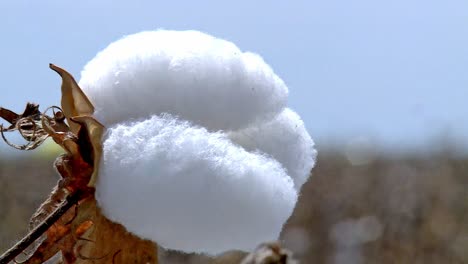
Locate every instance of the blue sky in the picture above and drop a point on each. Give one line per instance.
(391, 71)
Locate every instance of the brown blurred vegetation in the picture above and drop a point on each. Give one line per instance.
(378, 209)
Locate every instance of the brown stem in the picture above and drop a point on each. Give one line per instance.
(40, 229)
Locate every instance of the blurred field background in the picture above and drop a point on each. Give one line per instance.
(361, 205)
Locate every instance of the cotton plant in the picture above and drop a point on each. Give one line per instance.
(174, 138)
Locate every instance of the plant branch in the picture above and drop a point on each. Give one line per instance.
(40, 229)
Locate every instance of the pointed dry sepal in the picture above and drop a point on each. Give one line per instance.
(74, 101)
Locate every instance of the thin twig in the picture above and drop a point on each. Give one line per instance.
(40, 229)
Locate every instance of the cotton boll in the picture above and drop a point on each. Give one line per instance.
(180, 183)
(195, 76)
(286, 139)
(190, 189)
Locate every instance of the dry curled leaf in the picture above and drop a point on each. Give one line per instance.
(27, 124)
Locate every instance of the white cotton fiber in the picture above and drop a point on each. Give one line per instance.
(200, 153)
(191, 190)
(285, 139)
(186, 73)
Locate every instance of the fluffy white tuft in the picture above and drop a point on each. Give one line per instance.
(285, 138)
(171, 177)
(187, 73)
(206, 194)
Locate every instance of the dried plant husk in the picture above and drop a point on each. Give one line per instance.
(109, 242)
(70, 217)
